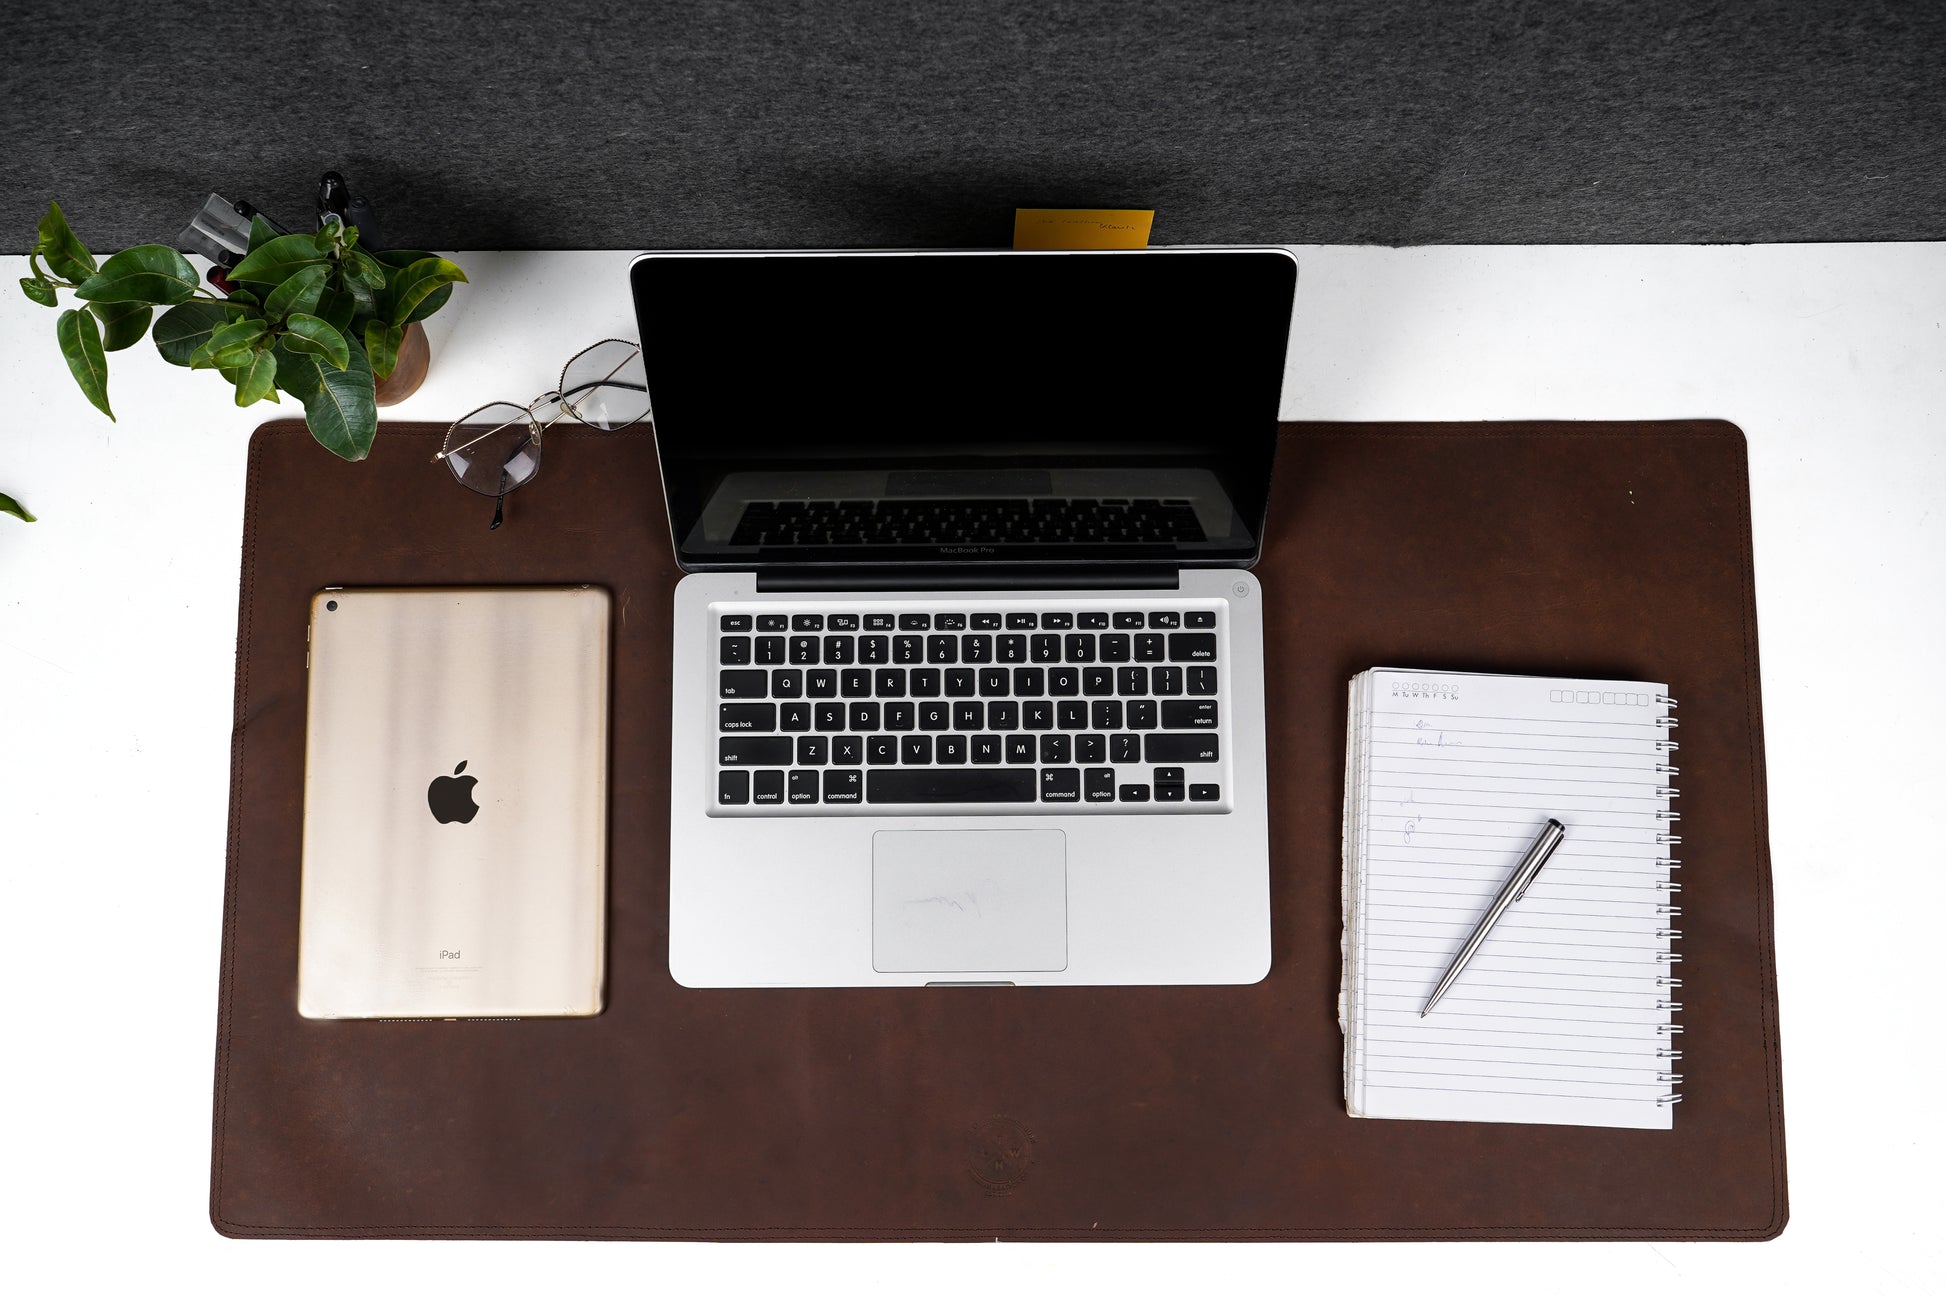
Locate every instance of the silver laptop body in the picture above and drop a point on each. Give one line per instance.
(968, 666)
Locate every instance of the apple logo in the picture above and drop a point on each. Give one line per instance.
(451, 797)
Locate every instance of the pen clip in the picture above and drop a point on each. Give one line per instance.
(1537, 855)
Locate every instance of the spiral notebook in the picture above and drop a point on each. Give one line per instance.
(1566, 1015)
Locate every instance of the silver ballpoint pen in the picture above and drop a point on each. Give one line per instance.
(1513, 890)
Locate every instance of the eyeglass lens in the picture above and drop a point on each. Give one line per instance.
(606, 386)
(494, 449)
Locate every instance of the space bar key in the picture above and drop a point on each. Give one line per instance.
(895, 787)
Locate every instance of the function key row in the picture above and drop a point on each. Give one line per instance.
(805, 623)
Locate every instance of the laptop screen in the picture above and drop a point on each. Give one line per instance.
(1012, 407)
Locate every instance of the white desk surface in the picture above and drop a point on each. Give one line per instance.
(117, 637)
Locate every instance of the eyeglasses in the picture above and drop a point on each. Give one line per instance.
(498, 447)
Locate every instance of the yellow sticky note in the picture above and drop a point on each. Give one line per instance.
(1069, 229)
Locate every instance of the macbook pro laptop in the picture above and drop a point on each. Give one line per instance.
(968, 663)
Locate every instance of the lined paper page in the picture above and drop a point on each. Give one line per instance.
(1564, 1015)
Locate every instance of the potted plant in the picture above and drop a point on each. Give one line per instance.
(313, 316)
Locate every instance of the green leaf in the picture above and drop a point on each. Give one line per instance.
(336, 310)
(149, 273)
(340, 406)
(64, 252)
(328, 236)
(40, 291)
(256, 378)
(10, 505)
(226, 344)
(351, 236)
(364, 303)
(278, 260)
(366, 271)
(80, 341)
(434, 300)
(310, 336)
(297, 295)
(397, 258)
(261, 232)
(297, 373)
(183, 330)
(382, 347)
(235, 336)
(123, 323)
(417, 282)
(243, 297)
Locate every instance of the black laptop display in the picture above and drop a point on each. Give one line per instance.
(861, 409)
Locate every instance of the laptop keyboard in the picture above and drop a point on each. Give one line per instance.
(956, 708)
(1024, 521)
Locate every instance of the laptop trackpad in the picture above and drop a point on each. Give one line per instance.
(969, 901)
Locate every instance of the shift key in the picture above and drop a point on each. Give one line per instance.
(1172, 749)
(754, 751)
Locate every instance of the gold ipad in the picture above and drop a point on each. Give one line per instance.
(455, 804)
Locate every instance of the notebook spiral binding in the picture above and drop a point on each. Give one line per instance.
(1667, 986)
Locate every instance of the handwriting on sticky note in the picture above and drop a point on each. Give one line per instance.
(1070, 229)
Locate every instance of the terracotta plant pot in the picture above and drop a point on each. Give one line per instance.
(414, 355)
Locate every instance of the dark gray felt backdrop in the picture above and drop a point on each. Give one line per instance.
(582, 124)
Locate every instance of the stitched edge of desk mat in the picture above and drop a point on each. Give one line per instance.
(1299, 448)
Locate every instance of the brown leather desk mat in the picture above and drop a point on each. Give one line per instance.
(1055, 1113)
